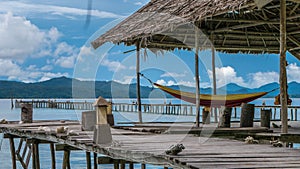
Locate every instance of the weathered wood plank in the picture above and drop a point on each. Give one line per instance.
(201, 152)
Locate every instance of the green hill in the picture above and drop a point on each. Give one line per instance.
(64, 87)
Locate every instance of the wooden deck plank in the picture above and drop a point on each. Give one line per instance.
(147, 147)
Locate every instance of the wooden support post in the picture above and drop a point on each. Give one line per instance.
(88, 160)
(197, 76)
(225, 117)
(33, 156)
(53, 161)
(283, 76)
(95, 161)
(131, 166)
(213, 60)
(116, 165)
(36, 154)
(66, 160)
(235, 113)
(247, 115)
(296, 116)
(30, 147)
(20, 146)
(143, 166)
(25, 149)
(122, 165)
(13, 152)
(265, 117)
(138, 88)
(205, 116)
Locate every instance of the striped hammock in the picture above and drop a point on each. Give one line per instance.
(230, 100)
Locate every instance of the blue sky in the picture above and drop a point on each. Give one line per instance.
(46, 39)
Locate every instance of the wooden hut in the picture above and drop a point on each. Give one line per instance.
(231, 26)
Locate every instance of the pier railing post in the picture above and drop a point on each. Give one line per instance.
(265, 117)
(102, 133)
(225, 117)
(26, 113)
(247, 115)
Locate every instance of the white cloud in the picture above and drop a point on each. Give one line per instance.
(125, 79)
(164, 83)
(23, 8)
(19, 37)
(63, 49)
(261, 78)
(172, 83)
(47, 68)
(226, 75)
(65, 55)
(9, 69)
(186, 83)
(113, 66)
(66, 62)
(138, 3)
(48, 75)
(54, 34)
(86, 51)
(32, 73)
(293, 72)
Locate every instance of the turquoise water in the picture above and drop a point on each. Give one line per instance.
(78, 160)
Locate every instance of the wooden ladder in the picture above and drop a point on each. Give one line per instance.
(24, 155)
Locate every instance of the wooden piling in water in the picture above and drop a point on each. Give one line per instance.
(88, 160)
(12, 151)
(116, 165)
(52, 151)
(66, 160)
(131, 165)
(95, 161)
(35, 145)
(122, 165)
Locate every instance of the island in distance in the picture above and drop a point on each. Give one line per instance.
(63, 87)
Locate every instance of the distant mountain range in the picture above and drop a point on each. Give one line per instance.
(64, 87)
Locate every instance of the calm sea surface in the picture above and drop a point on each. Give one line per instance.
(78, 160)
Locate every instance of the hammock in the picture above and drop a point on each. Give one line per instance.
(230, 100)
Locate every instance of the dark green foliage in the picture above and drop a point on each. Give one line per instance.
(63, 87)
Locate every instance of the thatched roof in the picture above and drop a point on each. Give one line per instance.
(249, 26)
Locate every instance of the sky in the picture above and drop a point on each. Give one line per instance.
(40, 40)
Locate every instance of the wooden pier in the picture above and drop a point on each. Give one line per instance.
(167, 109)
(53, 104)
(144, 146)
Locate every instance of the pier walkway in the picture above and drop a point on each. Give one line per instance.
(168, 109)
(147, 145)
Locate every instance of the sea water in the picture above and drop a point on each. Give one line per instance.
(78, 159)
